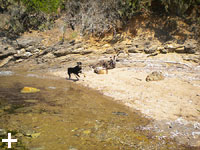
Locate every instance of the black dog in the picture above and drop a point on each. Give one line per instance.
(75, 70)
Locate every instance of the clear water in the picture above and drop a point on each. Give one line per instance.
(64, 116)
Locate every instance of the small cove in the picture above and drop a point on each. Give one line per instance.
(64, 115)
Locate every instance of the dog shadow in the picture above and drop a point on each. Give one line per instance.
(74, 80)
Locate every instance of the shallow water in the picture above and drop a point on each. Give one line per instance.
(64, 116)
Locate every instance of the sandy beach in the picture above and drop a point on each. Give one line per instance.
(178, 95)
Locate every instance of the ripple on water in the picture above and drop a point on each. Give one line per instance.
(6, 73)
(32, 75)
(52, 87)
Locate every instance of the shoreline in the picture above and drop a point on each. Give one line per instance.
(171, 104)
(138, 94)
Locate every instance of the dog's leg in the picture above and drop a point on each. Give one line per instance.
(82, 73)
(77, 77)
(69, 75)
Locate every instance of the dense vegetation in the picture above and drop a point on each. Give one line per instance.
(90, 16)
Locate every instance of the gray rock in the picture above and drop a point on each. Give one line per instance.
(191, 43)
(164, 51)
(133, 50)
(28, 54)
(7, 52)
(30, 49)
(180, 50)
(76, 46)
(63, 52)
(150, 50)
(36, 50)
(47, 50)
(48, 56)
(78, 51)
(153, 54)
(190, 49)
(21, 51)
(109, 51)
(5, 61)
(86, 51)
(42, 47)
(19, 60)
(25, 42)
(68, 51)
(23, 55)
(120, 47)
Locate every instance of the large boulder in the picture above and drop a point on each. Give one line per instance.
(25, 42)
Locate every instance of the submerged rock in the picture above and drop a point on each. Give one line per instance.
(2, 132)
(87, 131)
(35, 135)
(29, 90)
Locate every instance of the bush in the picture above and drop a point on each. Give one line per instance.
(47, 6)
(178, 7)
(27, 14)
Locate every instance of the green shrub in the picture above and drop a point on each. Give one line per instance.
(178, 7)
(47, 6)
(127, 8)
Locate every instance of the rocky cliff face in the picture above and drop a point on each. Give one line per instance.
(142, 35)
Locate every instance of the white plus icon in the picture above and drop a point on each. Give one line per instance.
(9, 140)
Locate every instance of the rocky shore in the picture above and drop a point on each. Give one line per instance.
(173, 102)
